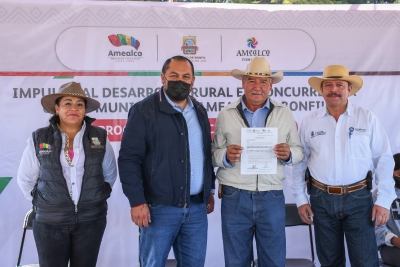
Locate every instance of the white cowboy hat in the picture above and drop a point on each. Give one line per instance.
(336, 72)
(69, 89)
(258, 67)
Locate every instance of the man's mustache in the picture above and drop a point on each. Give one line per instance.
(334, 94)
(257, 93)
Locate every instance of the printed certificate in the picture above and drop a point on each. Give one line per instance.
(258, 156)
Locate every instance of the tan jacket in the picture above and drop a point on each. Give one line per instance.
(228, 132)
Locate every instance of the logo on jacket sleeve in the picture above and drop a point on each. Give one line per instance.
(96, 143)
(45, 149)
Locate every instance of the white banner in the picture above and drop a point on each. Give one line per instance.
(116, 51)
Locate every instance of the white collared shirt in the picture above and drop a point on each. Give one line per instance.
(28, 171)
(342, 152)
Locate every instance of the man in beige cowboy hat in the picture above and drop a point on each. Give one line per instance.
(254, 204)
(343, 143)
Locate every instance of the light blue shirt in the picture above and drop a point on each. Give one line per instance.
(195, 145)
(255, 119)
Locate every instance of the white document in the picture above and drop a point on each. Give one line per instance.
(258, 156)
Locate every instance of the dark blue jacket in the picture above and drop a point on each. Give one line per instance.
(154, 159)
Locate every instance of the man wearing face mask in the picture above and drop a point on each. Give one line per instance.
(166, 171)
(388, 235)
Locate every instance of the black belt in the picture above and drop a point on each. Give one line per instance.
(199, 195)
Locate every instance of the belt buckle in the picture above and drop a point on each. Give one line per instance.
(341, 190)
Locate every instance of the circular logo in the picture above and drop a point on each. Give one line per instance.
(252, 42)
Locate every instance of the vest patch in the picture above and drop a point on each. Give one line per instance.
(45, 149)
(96, 143)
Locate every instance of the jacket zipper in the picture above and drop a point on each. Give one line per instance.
(186, 180)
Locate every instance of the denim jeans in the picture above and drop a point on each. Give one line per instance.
(78, 243)
(262, 213)
(185, 229)
(336, 216)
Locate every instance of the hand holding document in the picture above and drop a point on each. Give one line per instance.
(258, 156)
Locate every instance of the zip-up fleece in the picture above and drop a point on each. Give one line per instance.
(51, 197)
(154, 160)
(227, 132)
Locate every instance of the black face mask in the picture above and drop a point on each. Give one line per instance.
(178, 90)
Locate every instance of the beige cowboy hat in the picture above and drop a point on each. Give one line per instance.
(69, 89)
(258, 67)
(336, 72)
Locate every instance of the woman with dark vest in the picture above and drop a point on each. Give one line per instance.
(67, 170)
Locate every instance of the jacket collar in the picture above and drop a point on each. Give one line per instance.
(244, 107)
(166, 107)
(163, 103)
(239, 107)
(189, 104)
(235, 103)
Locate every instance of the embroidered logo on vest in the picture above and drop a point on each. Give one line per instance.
(45, 149)
(96, 143)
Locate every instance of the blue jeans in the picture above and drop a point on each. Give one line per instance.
(184, 229)
(78, 243)
(262, 213)
(336, 216)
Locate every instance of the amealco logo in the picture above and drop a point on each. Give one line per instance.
(126, 41)
(45, 149)
(252, 44)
